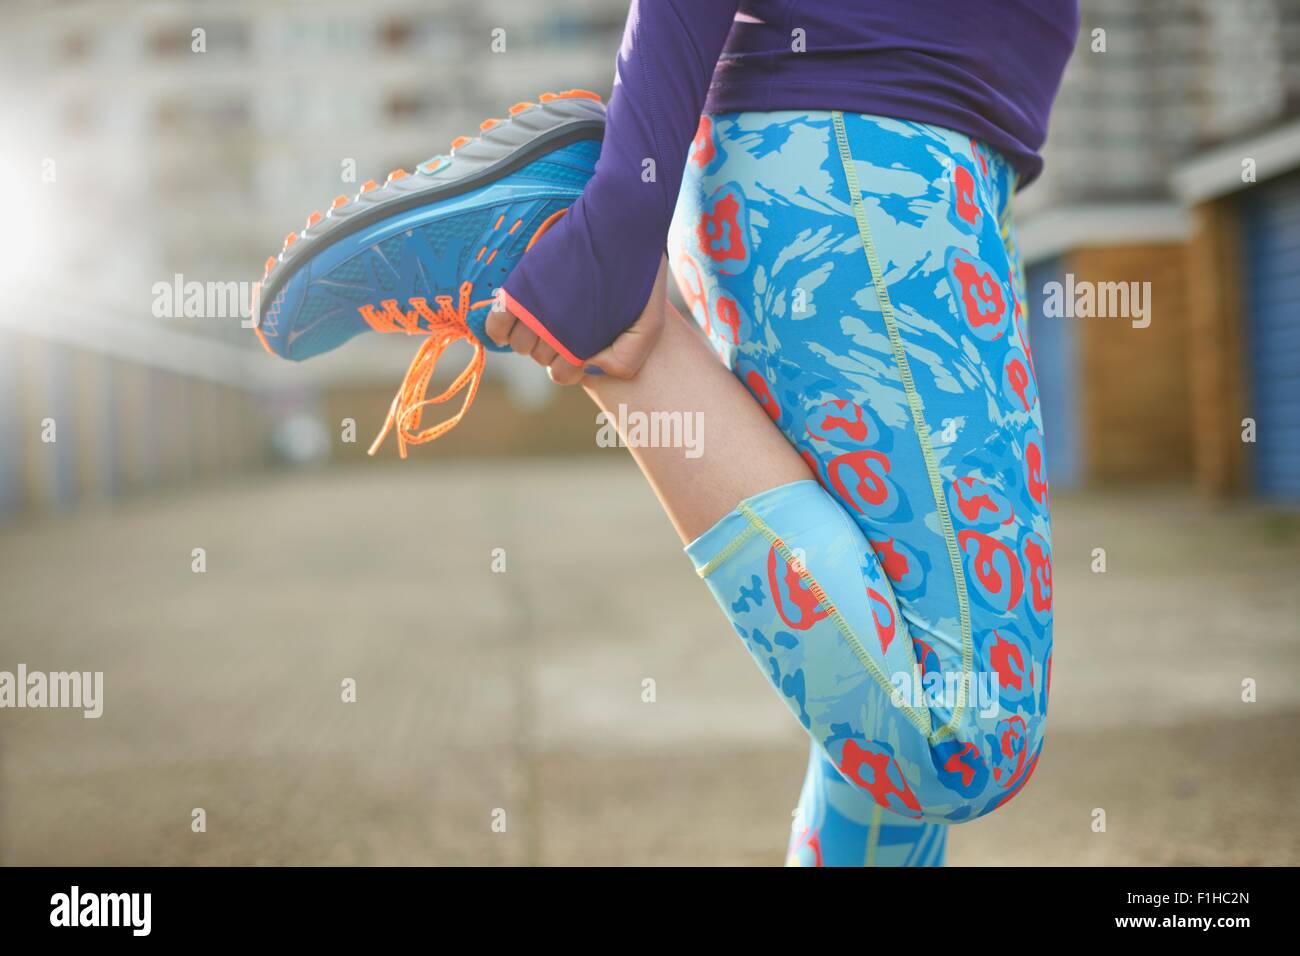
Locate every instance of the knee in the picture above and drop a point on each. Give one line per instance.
(970, 781)
(954, 781)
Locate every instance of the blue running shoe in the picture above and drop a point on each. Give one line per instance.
(425, 253)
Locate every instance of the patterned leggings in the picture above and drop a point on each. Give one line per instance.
(860, 276)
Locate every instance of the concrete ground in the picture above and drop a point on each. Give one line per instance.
(517, 696)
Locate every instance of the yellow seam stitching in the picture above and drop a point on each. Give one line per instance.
(921, 718)
(873, 835)
(726, 552)
(918, 419)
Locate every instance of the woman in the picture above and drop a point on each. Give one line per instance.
(859, 276)
(871, 507)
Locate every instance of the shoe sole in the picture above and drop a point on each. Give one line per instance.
(531, 131)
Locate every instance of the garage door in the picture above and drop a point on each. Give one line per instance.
(1271, 228)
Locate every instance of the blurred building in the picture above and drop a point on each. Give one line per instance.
(1162, 104)
(1244, 322)
(146, 142)
(183, 139)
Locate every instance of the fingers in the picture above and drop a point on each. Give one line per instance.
(504, 329)
(543, 354)
(563, 372)
(622, 360)
(499, 324)
(522, 339)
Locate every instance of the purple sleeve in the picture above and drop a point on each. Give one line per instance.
(590, 275)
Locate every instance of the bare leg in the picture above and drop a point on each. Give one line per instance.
(744, 453)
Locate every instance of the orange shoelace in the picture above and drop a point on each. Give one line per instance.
(444, 327)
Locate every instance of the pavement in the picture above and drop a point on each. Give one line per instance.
(504, 716)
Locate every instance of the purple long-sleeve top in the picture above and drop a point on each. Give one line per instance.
(986, 68)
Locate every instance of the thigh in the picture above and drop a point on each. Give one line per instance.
(883, 336)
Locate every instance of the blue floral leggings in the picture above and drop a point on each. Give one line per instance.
(860, 276)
